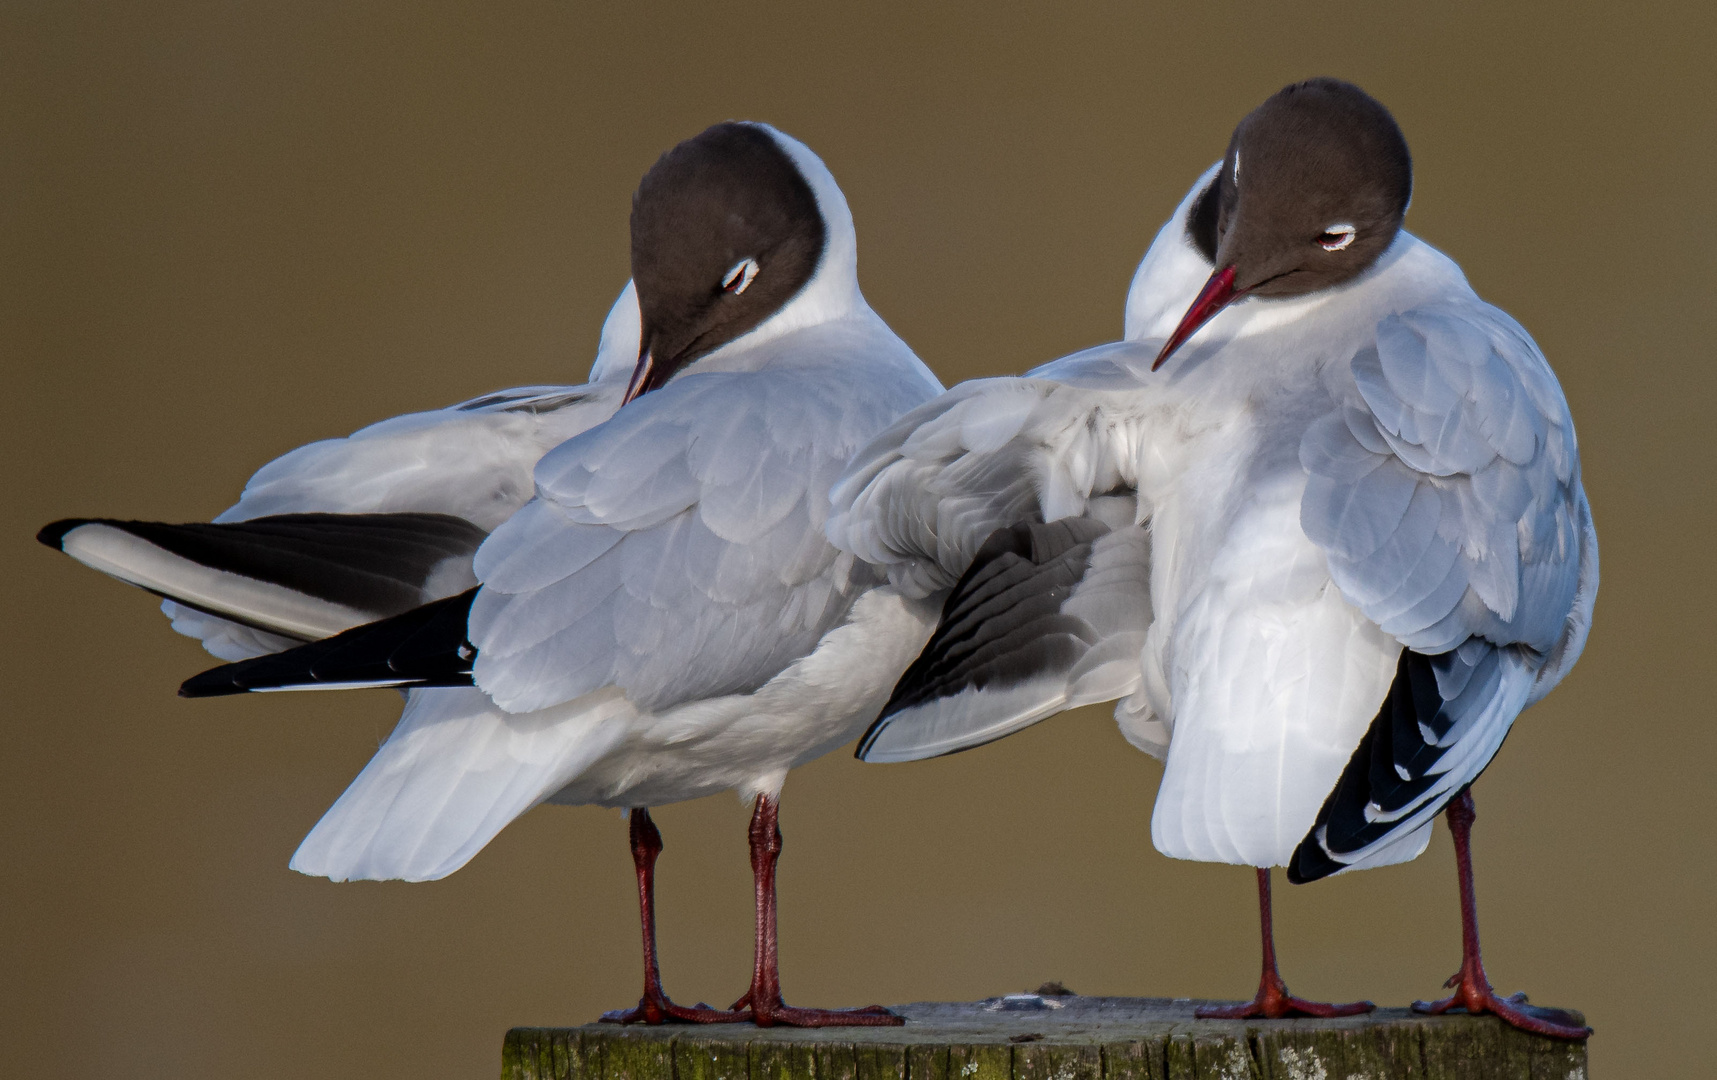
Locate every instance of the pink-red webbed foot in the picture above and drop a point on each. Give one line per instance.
(1474, 995)
(1275, 1003)
(663, 1011)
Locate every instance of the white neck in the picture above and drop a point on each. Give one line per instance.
(833, 291)
(1169, 276)
(617, 350)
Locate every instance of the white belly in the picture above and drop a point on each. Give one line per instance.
(748, 742)
(1273, 679)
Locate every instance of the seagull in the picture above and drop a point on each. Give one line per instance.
(1336, 500)
(647, 610)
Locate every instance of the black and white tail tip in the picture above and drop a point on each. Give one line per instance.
(303, 576)
(426, 646)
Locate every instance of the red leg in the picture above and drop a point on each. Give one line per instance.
(1273, 1001)
(654, 1007)
(1472, 986)
(764, 997)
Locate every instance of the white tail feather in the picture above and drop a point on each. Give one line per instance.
(455, 772)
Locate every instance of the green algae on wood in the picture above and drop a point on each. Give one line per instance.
(1067, 1038)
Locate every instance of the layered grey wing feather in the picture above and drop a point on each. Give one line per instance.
(678, 552)
(1447, 497)
(926, 493)
(1047, 618)
(472, 460)
(1040, 617)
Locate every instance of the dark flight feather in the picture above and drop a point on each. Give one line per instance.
(1003, 625)
(372, 562)
(425, 646)
(1391, 768)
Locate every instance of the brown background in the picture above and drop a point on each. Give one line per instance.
(229, 231)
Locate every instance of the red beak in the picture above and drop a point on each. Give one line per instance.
(1218, 293)
(640, 377)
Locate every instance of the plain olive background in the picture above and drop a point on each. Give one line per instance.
(230, 229)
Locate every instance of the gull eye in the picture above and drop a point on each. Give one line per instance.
(739, 278)
(1337, 237)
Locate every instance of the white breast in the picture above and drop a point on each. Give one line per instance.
(1273, 679)
(1267, 677)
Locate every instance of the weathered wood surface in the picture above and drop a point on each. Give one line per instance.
(1082, 1038)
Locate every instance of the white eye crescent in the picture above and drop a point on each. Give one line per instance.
(739, 278)
(1337, 237)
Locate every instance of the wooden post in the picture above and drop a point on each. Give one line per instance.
(1026, 1037)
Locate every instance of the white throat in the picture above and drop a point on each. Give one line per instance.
(1170, 275)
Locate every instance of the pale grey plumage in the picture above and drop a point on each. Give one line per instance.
(1416, 453)
(1448, 498)
(677, 551)
(1449, 504)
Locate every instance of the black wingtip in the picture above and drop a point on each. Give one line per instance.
(870, 734)
(1310, 863)
(54, 534)
(204, 685)
(425, 646)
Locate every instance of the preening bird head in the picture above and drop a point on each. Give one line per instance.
(1311, 192)
(725, 230)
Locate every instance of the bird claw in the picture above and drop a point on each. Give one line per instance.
(1278, 1007)
(1511, 1010)
(659, 1010)
(781, 1013)
(1273, 1002)
(791, 1016)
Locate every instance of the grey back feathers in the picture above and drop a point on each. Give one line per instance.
(715, 203)
(1452, 514)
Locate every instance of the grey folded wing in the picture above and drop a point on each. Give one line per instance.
(678, 551)
(344, 531)
(1447, 498)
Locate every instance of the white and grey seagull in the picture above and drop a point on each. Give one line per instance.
(1327, 553)
(649, 613)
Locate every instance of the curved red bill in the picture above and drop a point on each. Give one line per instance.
(640, 377)
(1218, 293)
